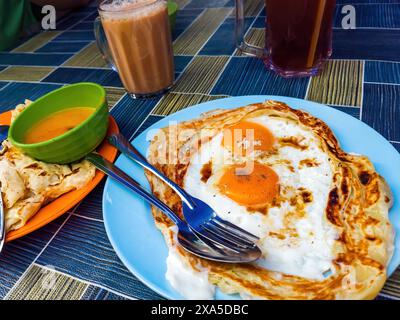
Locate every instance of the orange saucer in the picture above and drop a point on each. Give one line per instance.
(64, 203)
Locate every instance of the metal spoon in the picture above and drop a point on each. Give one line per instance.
(196, 245)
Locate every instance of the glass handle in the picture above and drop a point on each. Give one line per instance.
(241, 43)
(102, 44)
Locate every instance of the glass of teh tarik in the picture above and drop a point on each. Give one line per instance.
(298, 35)
(134, 36)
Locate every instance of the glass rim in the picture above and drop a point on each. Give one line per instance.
(140, 4)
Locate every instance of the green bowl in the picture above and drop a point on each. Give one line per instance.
(172, 11)
(76, 143)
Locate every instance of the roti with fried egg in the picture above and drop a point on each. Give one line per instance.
(27, 185)
(321, 214)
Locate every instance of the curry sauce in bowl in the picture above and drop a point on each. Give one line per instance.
(64, 125)
(57, 124)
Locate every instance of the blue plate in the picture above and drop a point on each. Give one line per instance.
(128, 220)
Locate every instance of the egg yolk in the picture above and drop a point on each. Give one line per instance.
(239, 140)
(257, 188)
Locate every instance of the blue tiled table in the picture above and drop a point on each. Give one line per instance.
(73, 252)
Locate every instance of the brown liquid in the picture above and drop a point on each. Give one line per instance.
(57, 124)
(289, 32)
(140, 43)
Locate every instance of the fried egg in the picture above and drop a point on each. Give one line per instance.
(272, 178)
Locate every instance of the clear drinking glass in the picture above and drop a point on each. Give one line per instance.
(135, 39)
(298, 35)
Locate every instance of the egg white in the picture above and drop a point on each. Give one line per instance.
(307, 254)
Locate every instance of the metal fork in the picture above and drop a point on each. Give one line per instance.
(186, 237)
(200, 217)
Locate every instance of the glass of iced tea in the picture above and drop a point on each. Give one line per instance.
(298, 35)
(134, 36)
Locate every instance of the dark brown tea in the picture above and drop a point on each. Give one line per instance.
(298, 35)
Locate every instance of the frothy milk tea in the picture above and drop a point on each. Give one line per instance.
(139, 38)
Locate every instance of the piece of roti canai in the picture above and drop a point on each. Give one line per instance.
(27, 184)
(321, 214)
